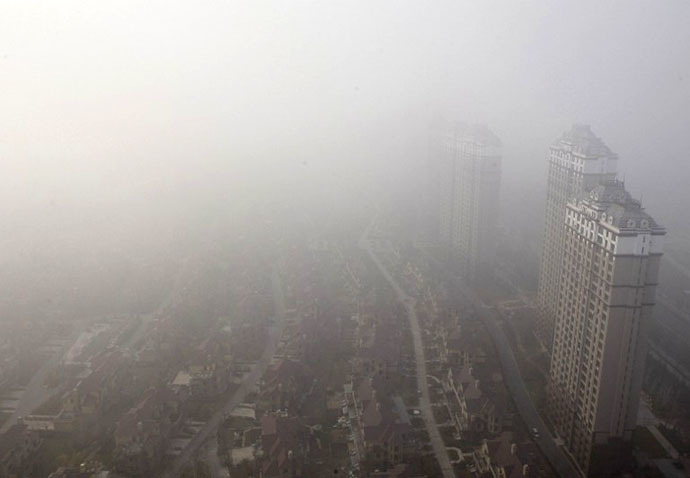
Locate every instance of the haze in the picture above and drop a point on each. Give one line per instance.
(96, 95)
(135, 135)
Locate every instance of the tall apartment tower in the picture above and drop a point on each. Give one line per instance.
(433, 182)
(470, 172)
(611, 251)
(578, 161)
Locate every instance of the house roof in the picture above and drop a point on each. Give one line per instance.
(505, 453)
(11, 438)
(283, 371)
(281, 437)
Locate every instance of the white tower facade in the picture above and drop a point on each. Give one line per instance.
(578, 161)
(611, 252)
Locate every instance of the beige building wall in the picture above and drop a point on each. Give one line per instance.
(578, 161)
(611, 254)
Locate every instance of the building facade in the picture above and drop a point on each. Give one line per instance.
(578, 161)
(433, 182)
(470, 172)
(611, 251)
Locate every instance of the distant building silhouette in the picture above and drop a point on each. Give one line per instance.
(467, 176)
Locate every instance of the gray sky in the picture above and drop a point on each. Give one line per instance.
(100, 100)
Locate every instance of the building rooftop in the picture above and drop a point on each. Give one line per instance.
(478, 133)
(617, 207)
(581, 139)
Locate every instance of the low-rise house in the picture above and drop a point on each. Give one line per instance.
(201, 381)
(334, 405)
(18, 446)
(383, 433)
(142, 433)
(283, 385)
(503, 458)
(347, 329)
(386, 437)
(462, 345)
(284, 447)
(101, 388)
(379, 351)
(40, 423)
(85, 470)
(476, 412)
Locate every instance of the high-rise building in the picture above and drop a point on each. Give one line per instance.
(611, 251)
(470, 177)
(578, 161)
(433, 182)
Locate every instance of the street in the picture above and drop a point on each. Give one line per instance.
(556, 456)
(422, 385)
(513, 379)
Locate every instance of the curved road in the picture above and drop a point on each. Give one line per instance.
(424, 401)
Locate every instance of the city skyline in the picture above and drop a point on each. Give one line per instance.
(344, 239)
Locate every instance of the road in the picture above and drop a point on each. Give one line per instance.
(677, 325)
(216, 469)
(671, 260)
(511, 372)
(672, 318)
(513, 379)
(424, 402)
(178, 463)
(661, 439)
(672, 365)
